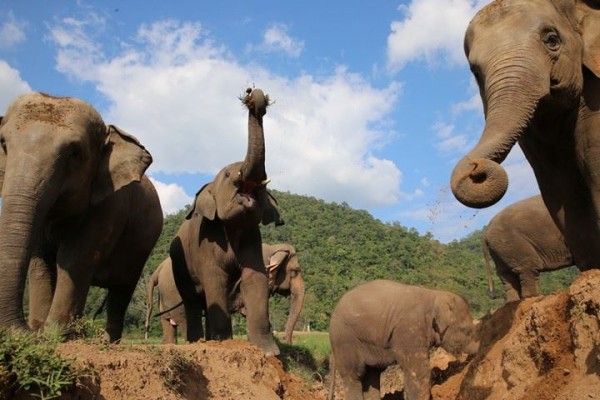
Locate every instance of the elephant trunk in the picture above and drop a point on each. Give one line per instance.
(20, 232)
(152, 282)
(253, 169)
(478, 180)
(296, 302)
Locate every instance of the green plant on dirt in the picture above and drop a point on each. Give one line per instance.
(308, 357)
(176, 367)
(90, 330)
(29, 363)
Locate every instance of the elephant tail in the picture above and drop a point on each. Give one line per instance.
(331, 394)
(488, 268)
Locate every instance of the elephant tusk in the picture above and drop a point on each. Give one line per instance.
(265, 182)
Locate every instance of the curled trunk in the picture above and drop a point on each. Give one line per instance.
(478, 180)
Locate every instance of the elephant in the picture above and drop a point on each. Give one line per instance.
(382, 322)
(285, 279)
(219, 243)
(77, 210)
(169, 303)
(537, 65)
(523, 241)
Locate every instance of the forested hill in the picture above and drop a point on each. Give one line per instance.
(339, 247)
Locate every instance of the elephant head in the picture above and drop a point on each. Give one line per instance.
(57, 159)
(452, 325)
(530, 59)
(285, 278)
(238, 195)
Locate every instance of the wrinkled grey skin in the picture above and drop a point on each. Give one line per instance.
(169, 302)
(523, 241)
(286, 280)
(77, 211)
(537, 64)
(220, 242)
(383, 322)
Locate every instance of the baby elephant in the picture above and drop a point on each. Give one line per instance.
(383, 322)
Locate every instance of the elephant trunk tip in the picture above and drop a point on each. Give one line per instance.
(256, 101)
(478, 182)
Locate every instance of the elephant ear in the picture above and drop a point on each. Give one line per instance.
(123, 160)
(271, 213)
(442, 317)
(2, 164)
(204, 203)
(590, 34)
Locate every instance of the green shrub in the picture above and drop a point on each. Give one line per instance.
(29, 363)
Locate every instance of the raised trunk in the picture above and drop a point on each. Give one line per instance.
(296, 301)
(478, 180)
(253, 169)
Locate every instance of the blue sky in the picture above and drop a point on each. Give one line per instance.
(373, 106)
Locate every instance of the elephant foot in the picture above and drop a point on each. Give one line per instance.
(270, 349)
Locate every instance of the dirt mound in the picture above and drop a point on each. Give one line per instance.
(539, 349)
(213, 370)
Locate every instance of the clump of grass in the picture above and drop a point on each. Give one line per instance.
(175, 369)
(88, 329)
(29, 363)
(308, 357)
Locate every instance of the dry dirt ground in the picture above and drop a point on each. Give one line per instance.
(543, 348)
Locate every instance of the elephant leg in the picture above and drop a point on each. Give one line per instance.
(255, 292)
(193, 317)
(116, 305)
(218, 318)
(69, 298)
(353, 388)
(530, 283)
(510, 281)
(78, 258)
(42, 282)
(372, 384)
(417, 376)
(169, 332)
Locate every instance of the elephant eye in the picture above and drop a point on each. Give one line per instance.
(551, 40)
(3, 144)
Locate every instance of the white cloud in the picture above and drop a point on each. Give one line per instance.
(176, 90)
(172, 196)
(12, 32)
(431, 31)
(449, 142)
(11, 85)
(276, 39)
